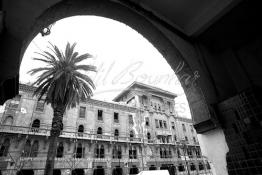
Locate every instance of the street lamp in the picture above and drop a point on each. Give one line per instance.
(184, 146)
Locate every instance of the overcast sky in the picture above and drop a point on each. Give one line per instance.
(120, 53)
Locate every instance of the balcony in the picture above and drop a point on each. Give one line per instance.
(24, 130)
(163, 132)
(67, 133)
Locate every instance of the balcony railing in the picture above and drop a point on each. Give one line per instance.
(24, 130)
(45, 131)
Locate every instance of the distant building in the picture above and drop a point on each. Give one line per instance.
(139, 131)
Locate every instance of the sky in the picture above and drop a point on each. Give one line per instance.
(121, 56)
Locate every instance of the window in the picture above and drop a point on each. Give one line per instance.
(163, 153)
(198, 153)
(186, 138)
(147, 121)
(8, 120)
(157, 124)
(116, 119)
(40, 106)
(99, 132)
(189, 152)
(4, 148)
(164, 122)
(192, 128)
(131, 135)
(34, 149)
(117, 152)
(181, 168)
(201, 166)
(169, 153)
(99, 115)
(192, 167)
(175, 138)
(132, 153)
(79, 151)
(208, 166)
(99, 151)
(160, 124)
(82, 112)
(173, 125)
(35, 125)
(27, 149)
(116, 134)
(184, 127)
(130, 117)
(80, 130)
(114, 152)
(133, 170)
(194, 139)
(144, 100)
(15, 102)
(178, 153)
(169, 106)
(152, 167)
(148, 136)
(167, 139)
(60, 150)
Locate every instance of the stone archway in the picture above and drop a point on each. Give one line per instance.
(198, 89)
(187, 77)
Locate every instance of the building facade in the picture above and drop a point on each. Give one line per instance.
(140, 130)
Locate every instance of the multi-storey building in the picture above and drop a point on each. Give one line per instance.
(139, 131)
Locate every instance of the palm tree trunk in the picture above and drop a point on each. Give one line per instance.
(57, 125)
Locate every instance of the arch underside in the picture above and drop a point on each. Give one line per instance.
(203, 120)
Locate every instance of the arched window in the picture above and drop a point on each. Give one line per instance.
(181, 167)
(79, 151)
(34, 149)
(117, 171)
(36, 125)
(200, 166)
(116, 134)
(60, 150)
(9, 120)
(119, 152)
(133, 170)
(27, 149)
(114, 152)
(208, 166)
(148, 136)
(102, 151)
(131, 135)
(80, 130)
(97, 151)
(165, 153)
(4, 148)
(169, 153)
(192, 167)
(161, 153)
(99, 132)
(132, 153)
(178, 153)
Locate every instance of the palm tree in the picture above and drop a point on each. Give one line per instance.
(62, 84)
